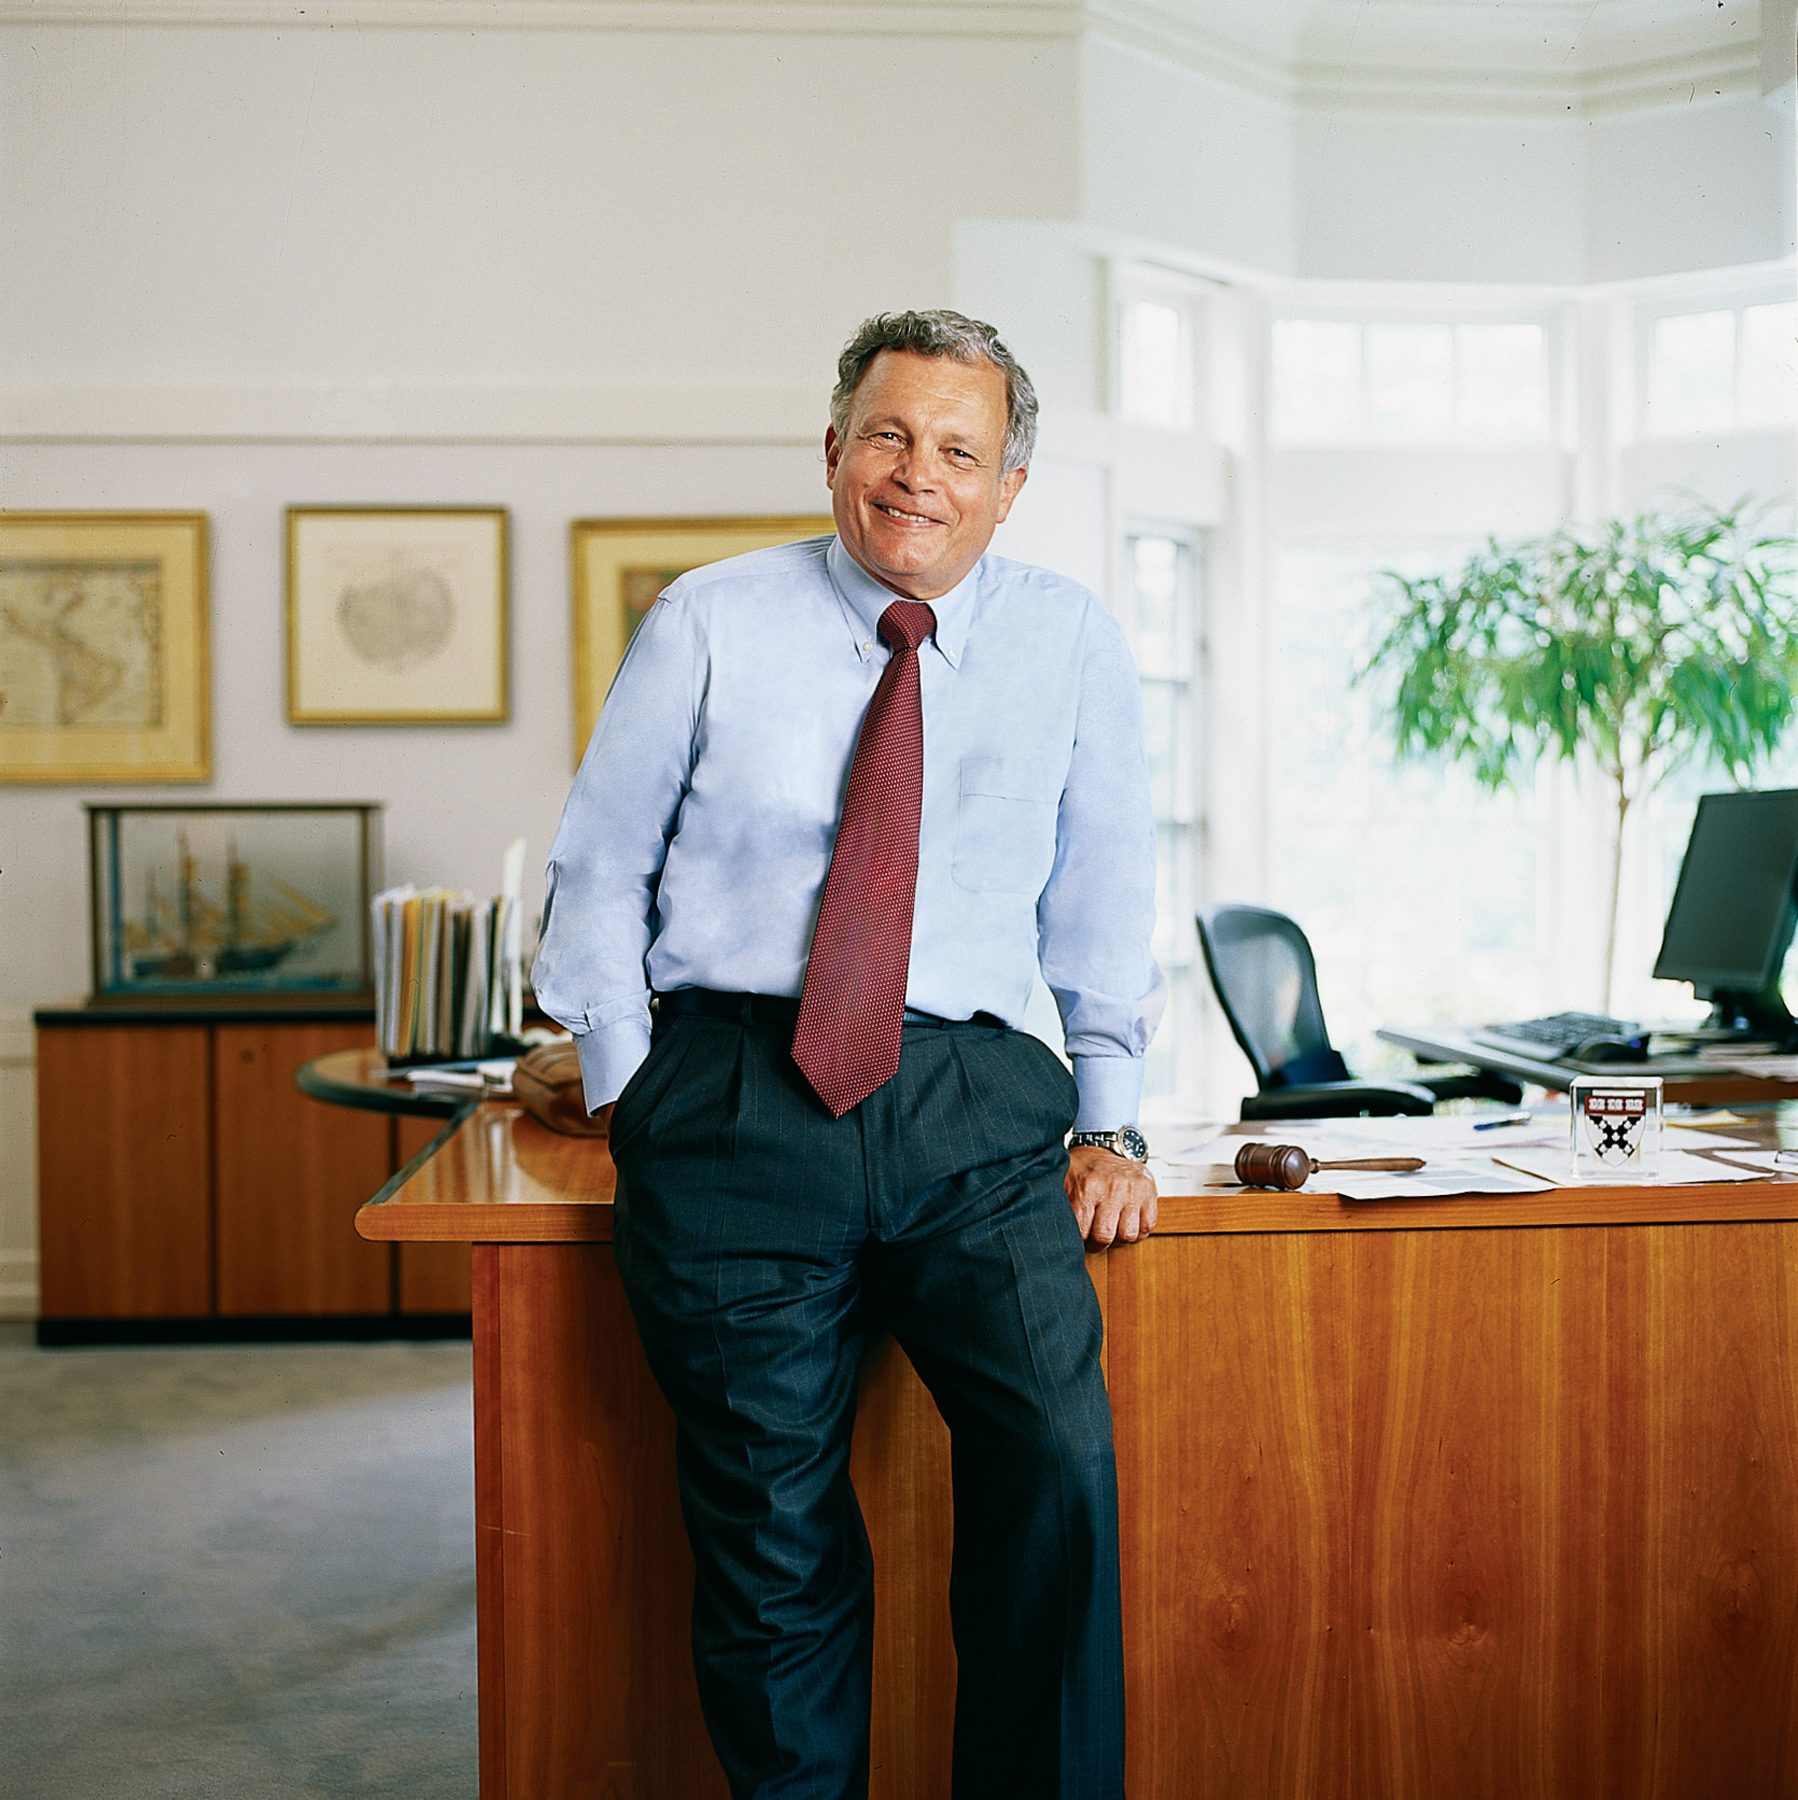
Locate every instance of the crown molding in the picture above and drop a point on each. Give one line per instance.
(1454, 62)
(811, 18)
(1428, 57)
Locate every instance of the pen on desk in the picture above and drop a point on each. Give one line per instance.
(1521, 1118)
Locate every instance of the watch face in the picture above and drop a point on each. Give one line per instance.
(1131, 1143)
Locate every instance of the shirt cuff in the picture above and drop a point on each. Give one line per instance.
(610, 1057)
(1110, 1091)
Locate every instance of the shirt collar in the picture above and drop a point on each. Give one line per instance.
(865, 599)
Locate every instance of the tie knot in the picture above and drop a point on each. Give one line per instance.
(907, 622)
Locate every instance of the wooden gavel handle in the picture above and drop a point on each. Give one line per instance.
(1287, 1166)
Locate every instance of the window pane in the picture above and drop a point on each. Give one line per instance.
(1503, 380)
(1161, 710)
(1154, 365)
(1161, 639)
(1175, 939)
(1175, 949)
(1691, 373)
(1770, 364)
(1418, 890)
(1410, 381)
(1316, 382)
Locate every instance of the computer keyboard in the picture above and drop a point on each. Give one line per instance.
(1558, 1034)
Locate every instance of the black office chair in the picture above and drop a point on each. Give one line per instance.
(1266, 978)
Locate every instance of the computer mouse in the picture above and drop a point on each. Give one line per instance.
(1612, 1050)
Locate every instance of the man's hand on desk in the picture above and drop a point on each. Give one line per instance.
(1113, 1198)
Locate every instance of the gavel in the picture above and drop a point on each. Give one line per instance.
(1287, 1166)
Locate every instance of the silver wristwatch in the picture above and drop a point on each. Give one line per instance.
(1126, 1141)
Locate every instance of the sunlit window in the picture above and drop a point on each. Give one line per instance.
(1159, 615)
(1501, 380)
(1410, 374)
(1407, 382)
(1155, 364)
(1317, 397)
(1416, 888)
(1723, 370)
(1692, 373)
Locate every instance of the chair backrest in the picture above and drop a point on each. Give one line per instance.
(1266, 980)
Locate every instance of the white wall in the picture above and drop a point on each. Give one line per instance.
(282, 214)
(1174, 157)
(1705, 186)
(18, 1166)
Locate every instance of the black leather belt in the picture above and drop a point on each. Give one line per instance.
(775, 1009)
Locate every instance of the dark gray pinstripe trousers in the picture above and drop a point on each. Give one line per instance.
(759, 1240)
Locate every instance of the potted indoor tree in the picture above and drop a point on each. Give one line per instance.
(1627, 650)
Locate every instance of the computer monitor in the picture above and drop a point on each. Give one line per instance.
(1733, 912)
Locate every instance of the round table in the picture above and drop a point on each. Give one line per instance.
(360, 1078)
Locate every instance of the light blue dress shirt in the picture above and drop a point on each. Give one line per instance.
(695, 843)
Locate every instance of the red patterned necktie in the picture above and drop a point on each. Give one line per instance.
(853, 1007)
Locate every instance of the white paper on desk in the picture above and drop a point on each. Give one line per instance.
(1440, 1175)
(490, 1077)
(1437, 1180)
(1434, 1133)
(1194, 1144)
(1674, 1168)
(1761, 1161)
(1440, 1132)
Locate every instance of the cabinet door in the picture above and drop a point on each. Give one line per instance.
(124, 1154)
(434, 1278)
(291, 1173)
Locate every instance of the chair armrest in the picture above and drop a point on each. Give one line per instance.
(1340, 1100)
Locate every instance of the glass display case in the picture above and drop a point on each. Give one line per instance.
(206, 901)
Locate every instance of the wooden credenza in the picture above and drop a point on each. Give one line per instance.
(183, 1178)
(1491, 1497)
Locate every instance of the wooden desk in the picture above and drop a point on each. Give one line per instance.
(1454, 1044)
(1494, 1498)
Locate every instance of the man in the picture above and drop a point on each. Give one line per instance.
(844, 799)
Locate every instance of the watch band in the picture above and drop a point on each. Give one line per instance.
(1125, 1141)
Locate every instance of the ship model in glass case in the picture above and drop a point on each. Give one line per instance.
(215, 900)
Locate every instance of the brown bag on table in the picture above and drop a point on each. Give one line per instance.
(548, 1081)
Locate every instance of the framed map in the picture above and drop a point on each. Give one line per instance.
(621, 565)
(396, 615)
(103, 643)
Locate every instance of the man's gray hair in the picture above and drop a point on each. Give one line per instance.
(940, 333)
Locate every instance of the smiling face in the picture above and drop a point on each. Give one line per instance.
(915, 479)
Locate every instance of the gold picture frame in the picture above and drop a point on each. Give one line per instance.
(621, 565)
(103, 647)
(396, 615)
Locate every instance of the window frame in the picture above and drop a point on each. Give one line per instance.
(1548, 315)
(1646, 315)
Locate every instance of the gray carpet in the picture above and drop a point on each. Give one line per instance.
(236, 1571)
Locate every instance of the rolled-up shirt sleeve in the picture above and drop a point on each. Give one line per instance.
(1096, 915)
(599, 915)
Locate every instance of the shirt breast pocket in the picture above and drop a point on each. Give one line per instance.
(1005, 828)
